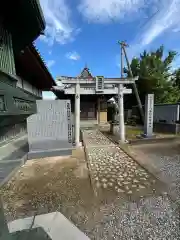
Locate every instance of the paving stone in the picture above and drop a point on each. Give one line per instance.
(110, 184)
(129, 192)
(94, 137)
(104, 185)
(120, 190)
(113, 165)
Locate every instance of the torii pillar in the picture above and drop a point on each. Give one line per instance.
(77, 114)
(121, 92)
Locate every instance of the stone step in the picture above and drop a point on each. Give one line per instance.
(12, 156)
(55, 224)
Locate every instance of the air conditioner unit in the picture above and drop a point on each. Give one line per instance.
(99, 84)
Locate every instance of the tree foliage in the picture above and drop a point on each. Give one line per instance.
(153, 70)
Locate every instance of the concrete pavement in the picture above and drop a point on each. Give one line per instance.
(12, 155)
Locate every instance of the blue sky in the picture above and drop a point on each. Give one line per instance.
(80, 32)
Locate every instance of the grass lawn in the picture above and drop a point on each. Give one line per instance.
(132, 132)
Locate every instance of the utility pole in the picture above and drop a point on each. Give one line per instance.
(121, 102)
(123, 44)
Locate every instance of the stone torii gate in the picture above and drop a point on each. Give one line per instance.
(98, 85)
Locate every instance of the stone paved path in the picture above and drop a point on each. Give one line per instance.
(111, 168)
(61, 185)
(141, 210)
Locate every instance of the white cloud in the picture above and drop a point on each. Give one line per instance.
(158, 16)
(50, 63)
(73, 56)
(167, 18)
(58, 22)
(165, 21)
(48, 95)
(106, 10)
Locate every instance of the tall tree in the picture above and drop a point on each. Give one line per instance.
(153, 72)
(176, 78)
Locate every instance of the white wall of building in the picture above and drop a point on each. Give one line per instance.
(48, 95)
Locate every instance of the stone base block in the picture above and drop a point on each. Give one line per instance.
(144, 136)
(49, 153)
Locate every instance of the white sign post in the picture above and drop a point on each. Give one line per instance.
(149, 111)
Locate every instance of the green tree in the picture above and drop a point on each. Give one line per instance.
(176, 78)
(153, 72)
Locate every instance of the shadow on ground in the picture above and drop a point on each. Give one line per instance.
(36, 234)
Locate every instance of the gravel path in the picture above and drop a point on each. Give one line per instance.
(63, 185)
(146, 212)
(152, 218)
(165, 158)
(111, 168)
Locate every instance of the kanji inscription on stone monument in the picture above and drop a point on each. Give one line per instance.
(50, 130)
(149, 111)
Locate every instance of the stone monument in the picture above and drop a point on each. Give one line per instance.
(50, 129)
(149, 111)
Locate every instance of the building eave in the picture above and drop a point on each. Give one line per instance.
(24, 20)
(31, 62)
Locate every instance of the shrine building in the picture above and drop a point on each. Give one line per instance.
(94, 93)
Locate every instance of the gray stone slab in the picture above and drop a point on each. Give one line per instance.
(49, 143)
(52, 106)
(50, 130)
(50, 153)
(4, 232)
(12, 156)
(15, 149)
(56, 225)
(7, 167)
(48, 127)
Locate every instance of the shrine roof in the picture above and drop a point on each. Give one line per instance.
(31, 67)
(85, 73)
(24, 20)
